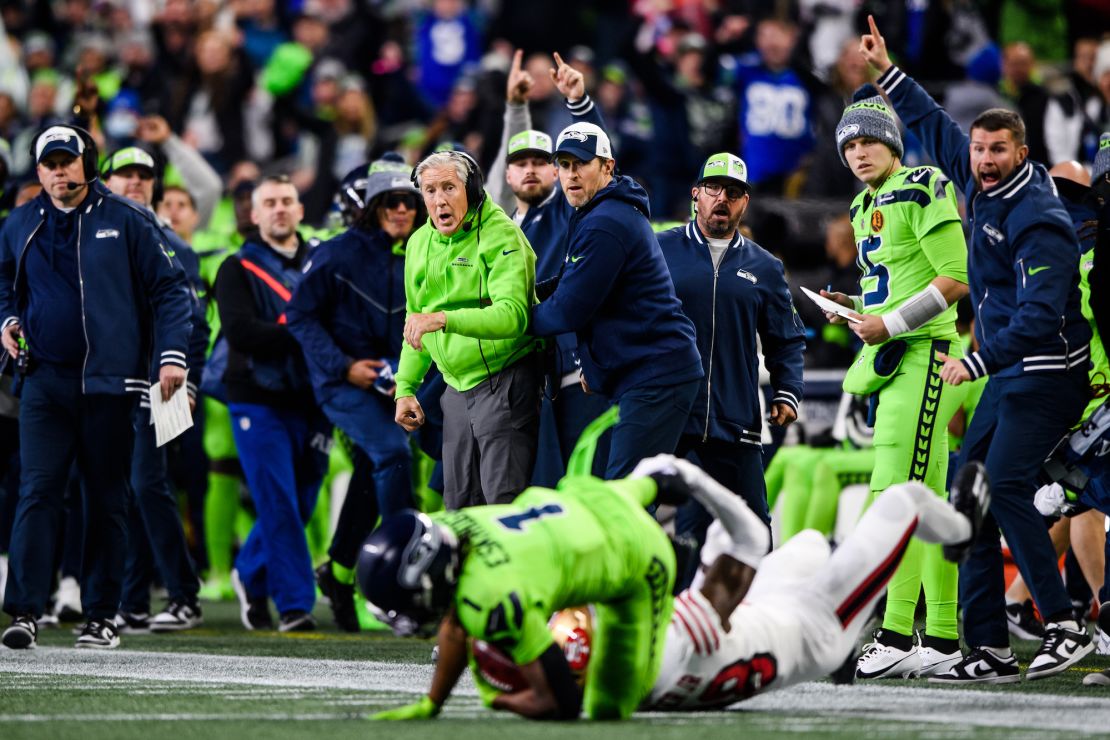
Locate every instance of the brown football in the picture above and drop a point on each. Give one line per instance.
(498, 669)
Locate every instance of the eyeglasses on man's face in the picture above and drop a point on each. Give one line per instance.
(732, 192)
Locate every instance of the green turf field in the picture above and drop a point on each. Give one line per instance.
(220, 681)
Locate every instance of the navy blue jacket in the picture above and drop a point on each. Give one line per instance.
(744, 297)
(187, 259)
(1023, 266)
(134, 298)
(546, 225)
(615, 293)
(349, 306)
(265, 364)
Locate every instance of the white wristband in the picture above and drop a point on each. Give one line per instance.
(916, 311)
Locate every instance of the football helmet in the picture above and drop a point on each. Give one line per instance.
(409, 567)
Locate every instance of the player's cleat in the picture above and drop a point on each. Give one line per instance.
(934, 661)
(296, 621)
(99, 634)
(176, 617)
(1101, 678)
(846, 673)
(253, 613)
(340, 596)
(22, 634)
(1061, 649)
(970, 495)
(880, 660)
(981, 666)
(1022, 621)
(47, 622)
(132, 623)
(67, 601)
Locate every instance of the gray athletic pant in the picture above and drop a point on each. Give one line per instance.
(489, 436)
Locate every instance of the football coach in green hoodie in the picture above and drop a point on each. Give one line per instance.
(469, 287)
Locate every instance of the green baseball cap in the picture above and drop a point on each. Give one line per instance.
(129, 156)
(530, 142)
(724, 166)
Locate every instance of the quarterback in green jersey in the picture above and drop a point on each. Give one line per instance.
(913, 259)
(497, 573)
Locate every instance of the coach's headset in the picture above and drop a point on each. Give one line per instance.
(90, 155)
(475, 185)
(475, 196)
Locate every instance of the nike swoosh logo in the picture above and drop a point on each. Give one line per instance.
(508, 251)
(1034, 270)
(575, 259)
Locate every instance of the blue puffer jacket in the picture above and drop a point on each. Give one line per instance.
(349, 306)
(615, 293)
(127, 323)
(1023, 257)
(743, 298)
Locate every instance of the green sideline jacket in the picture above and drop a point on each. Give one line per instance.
(483, 278)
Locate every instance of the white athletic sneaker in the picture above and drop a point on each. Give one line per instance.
(99, 634)
(176, 616)
(934, 661)
(886, 661)
(67, 601)
(1102, 632)
(1061, 649)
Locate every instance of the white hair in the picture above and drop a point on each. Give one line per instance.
(437, 160)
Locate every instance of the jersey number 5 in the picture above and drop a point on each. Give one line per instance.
(877, 293)
(741, 680)
(516, 522)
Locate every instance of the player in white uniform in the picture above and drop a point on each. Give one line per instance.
(753, 623)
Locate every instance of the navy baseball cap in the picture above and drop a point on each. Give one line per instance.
(58, 139)
(584, 141)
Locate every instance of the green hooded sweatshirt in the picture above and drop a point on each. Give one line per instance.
(483, 278)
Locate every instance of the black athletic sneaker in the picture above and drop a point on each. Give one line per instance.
(1022, 621)
(1061, 648)
(177, 616)
(340, 596)
(131, 623)
(100, 634)
(297, 621)
(981, 666)
(254, 613)
(970, 495)
(22, 633)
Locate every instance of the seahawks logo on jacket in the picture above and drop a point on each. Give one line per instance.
(992, 233)
(747, 276)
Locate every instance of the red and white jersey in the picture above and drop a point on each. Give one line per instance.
(782, 634)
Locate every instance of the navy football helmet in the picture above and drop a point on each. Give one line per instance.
(409, 567)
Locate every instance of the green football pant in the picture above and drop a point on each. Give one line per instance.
(629, 630)
(835, 470)
(911, 443)
(221, 502)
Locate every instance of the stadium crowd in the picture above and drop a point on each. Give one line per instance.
(409, 255)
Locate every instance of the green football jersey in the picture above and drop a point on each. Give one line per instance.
(591, 541)
(1100, 366)
(889, 226)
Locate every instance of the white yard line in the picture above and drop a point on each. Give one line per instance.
(1087, 711)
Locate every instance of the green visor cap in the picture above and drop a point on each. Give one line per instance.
(131, 156)
(724, 166)
(529, 142)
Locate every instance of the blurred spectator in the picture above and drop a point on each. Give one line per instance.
(626, 116)
(200, 180)
(447, 39)
(1071, 131)
(355, 124)
(829, 25)
(776, 109)
(41, 112)
(1041, 25)
(261, 28)
(979, 92)
(832, 345)
(208, 105)
(1031, 100)
(827, 176)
